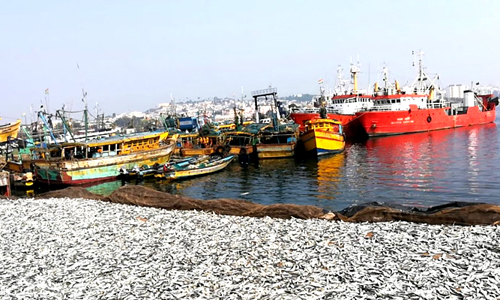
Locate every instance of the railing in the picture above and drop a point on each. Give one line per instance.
(392, 108)
(265, 92)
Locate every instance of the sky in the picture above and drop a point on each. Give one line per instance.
(132, 55)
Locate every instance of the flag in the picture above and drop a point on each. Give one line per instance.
(320, 81)
(46, 91)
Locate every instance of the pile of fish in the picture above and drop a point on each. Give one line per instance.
(76, 248)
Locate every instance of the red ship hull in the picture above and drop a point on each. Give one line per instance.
(380, 123)
(351, 127)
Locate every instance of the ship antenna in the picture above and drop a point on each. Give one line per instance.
(354, 70)
(385, 72)
(340, 80)
(421, 76)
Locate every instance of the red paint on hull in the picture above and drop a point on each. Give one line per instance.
(380, 123)
(69, 181)
(351, 127)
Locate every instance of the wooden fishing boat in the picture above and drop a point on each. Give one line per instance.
(194, 144)
(9, 130)
(196, 166)
(101, 160)
(323, 136)
(342, 105)
(239, 141)
(277, 142)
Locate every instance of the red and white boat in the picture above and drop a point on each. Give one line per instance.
(342, 107)
(418, 110)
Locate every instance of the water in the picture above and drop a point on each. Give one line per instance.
(423, 169)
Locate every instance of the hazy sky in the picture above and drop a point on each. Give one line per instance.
(133, 55)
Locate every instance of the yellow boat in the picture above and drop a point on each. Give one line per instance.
(9, 130)
(323, 136)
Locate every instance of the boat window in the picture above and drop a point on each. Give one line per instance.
(55, 153)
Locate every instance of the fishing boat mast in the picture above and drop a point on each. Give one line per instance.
(61, 114)
(322, 101)
(269, 92)
(85, 114)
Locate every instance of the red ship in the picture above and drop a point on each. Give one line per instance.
(402, 112)
(379, 123)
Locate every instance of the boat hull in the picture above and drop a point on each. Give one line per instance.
(381, 123)
(189, 173)
(236, 150)
(85, 171)
(9, 130)
(275, 150)
(321, 142)
(351, 126)
(186, 152)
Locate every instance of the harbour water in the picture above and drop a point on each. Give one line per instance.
(422, 169)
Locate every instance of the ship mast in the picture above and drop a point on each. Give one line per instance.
(322, 110)
(354, 76)
(85, 113)
(340, 81)
(385, 72)
(418, 83)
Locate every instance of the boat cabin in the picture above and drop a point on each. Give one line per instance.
(239, 139)
(399, 102)
(350, 104)
(324, 124)
(113, 146)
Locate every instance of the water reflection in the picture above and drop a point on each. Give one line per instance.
(329, 175)
(425, 168)
(105, 188)
(420, 169)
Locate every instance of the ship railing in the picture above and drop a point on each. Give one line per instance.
(386, 108)
(332, 110)
(440, 104)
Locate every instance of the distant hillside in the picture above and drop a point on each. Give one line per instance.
(300, 97)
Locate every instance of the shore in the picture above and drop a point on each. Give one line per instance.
(74, 248)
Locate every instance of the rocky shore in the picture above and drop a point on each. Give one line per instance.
(73, 248)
